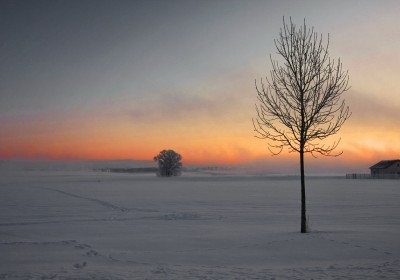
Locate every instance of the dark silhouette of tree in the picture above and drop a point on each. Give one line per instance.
(300, 102)
(169, 163)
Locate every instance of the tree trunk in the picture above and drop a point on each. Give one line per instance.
(303, 194)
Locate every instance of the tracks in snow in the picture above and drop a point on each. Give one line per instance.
(165, 216)
(101, 202)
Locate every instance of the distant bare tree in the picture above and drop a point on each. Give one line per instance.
(300, 102)
(169, 163)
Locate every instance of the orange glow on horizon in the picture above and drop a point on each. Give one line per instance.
(205, 139)
(211, 154)
(222, 146)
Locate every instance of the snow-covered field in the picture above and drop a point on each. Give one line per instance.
(121, 226)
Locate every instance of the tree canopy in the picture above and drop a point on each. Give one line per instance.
(169, 163)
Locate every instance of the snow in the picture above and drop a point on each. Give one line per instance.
(93, 225)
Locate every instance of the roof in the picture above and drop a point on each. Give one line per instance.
(383, 164)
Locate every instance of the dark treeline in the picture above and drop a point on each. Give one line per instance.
(130, 170)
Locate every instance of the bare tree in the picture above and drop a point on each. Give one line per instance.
(300, 102)
(169, 163)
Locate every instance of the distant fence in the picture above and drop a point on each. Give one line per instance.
(358, 176)
(369, 176)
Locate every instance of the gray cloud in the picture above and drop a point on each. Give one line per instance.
(368, 109)
(174, 107)
(219, 99)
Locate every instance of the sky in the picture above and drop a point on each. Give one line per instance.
(96, 80)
